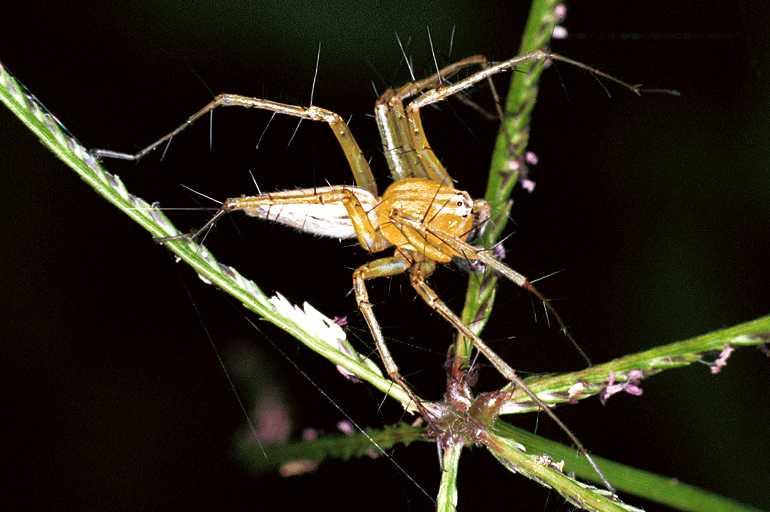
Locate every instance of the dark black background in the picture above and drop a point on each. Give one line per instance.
(656, 210)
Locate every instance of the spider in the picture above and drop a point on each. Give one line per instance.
(421, 215)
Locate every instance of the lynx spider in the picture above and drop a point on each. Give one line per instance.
(420, 214)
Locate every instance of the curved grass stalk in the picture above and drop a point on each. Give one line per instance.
(574, 386)
(660, 489)
(548, 472)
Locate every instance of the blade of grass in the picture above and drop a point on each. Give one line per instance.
(447, 491)
(660, 489)
(570, 387)
(516, 457)
(338, 446)
(510, 145)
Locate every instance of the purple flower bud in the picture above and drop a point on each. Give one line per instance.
(528, 185)
(608, 391)
(560, 11)
(499, 251)
(631, 386)
(721, 361)
(345, 427)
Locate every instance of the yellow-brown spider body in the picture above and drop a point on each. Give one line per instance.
(440, 208)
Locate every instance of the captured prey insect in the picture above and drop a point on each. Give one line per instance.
(421, 214)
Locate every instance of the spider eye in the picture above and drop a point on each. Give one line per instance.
(460, 203)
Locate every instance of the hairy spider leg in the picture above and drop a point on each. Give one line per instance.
(361, 227)
(443, 91)
(405, 158)
(467, 251)
(383, 267)
(359, 166)
(417, 276)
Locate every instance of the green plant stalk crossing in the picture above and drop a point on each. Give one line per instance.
(510, 146)
(661, 489)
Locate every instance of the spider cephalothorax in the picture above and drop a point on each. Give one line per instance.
(441, 209)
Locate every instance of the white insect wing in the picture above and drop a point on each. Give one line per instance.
(330, 219)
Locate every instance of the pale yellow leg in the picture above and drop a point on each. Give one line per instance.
(362, 173)
(441, 92)
(463, 249)
(369, 237)
(407, 153)
(383, 267)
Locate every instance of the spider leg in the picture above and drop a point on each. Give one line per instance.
(335, 211)
(417, 275)
(463, 249)
(406, 158)
(362, 173)
(396, 143)
(442, 91)
(410, 89)
(383, 267)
